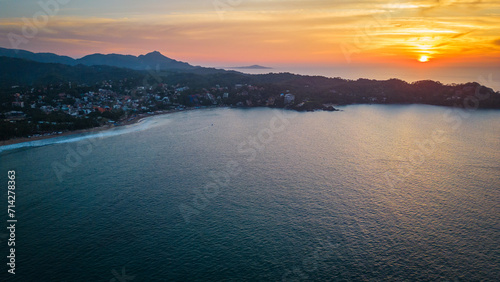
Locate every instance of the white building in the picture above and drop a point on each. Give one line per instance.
(289, 99)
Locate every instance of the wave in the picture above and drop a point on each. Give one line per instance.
(141, 125)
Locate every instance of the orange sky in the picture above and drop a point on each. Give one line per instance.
(447, 32)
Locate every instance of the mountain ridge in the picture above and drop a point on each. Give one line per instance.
(152, 60)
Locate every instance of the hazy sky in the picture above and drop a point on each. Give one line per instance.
(442, 32)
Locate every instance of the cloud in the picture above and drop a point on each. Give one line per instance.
(263, 29)
(461, 34)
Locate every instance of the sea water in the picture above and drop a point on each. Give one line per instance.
(369, 193)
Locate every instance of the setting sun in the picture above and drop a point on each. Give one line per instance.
(423, 59)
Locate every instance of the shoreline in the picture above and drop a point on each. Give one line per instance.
(140, 117)
(124, 122)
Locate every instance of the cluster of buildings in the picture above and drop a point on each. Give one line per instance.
(140, 99)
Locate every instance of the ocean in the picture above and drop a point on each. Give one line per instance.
(370, 193)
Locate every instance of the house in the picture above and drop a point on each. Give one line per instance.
(15, 115)
(18, 104)
(289, 99)
(181, 89)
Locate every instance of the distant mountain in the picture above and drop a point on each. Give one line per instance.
(312, 91)
(253, 67)
(152, 61)
(17, 71)
(37, 57)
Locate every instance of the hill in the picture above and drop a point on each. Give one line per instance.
(151, 61)
(314, 91)
(25, 72)
(37, 57)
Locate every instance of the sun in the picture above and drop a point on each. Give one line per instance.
(423, 59)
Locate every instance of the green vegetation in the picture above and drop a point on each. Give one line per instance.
(40, 98)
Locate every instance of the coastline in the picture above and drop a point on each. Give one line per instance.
(138, 118)
(124, 122)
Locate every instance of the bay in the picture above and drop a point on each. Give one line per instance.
(372, 192)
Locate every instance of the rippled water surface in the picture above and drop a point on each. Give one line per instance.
(369, 193)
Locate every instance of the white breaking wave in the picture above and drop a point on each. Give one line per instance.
(142, 125)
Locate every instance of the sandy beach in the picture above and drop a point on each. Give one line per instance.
(123, 122)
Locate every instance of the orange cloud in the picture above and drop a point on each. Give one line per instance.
(317, 31)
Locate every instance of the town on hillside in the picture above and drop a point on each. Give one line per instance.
(52, 109)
